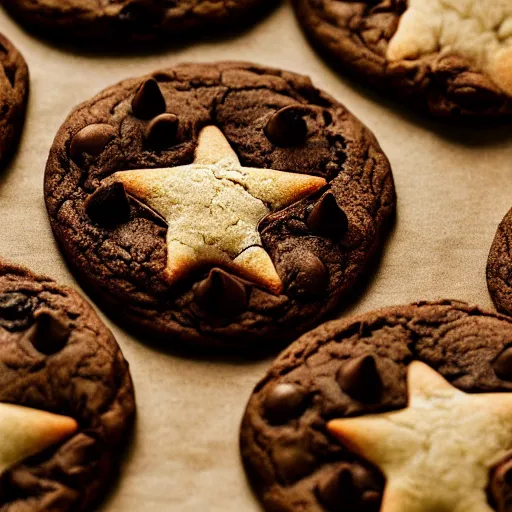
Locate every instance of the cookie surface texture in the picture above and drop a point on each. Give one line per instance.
(224, 204)
(450, 57)
(321, 429)
(136, 20)
(66, 397)
(14, 88)
(499, 266)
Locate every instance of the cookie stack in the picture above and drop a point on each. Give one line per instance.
(225, 209)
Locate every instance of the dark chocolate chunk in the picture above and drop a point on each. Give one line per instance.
(284, 402)
(91, 140)
(502, 365)
(49, 334)
(360, 378)
(287, 127)
(327, 218)
(108, 205)
(162, 131)
(148, 102)
(221, 293)
(307, 276)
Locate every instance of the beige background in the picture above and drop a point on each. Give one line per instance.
(453, 185)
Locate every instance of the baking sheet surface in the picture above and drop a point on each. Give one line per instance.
(453, 185)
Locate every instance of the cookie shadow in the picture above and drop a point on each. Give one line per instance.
(231, 354)
(112, 47)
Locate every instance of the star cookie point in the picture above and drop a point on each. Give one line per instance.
(26, 432)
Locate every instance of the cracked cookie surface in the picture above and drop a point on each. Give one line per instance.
(450, 58)
(271, 119)
(499, 266)
(59, 357)
(14, 88)
(122, 20)
(355, 367)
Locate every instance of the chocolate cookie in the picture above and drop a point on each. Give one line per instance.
(499, 266)
(318, 434)
(225, 204)
(448, 57)
(66, 397)
(13, 97)
(121, 20)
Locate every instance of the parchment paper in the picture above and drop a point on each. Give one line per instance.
(454, 185)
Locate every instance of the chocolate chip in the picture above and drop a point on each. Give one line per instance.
(148, 101)
(108, 205)
(221, 294)
(49, 334)
(502, 365)
(306, 275)
(287, 127)
(293, 461)
(162, 131)
(91, 140)
(349, 487)
(337, 490)
(327, 218)
(360, 378)
(284, 402)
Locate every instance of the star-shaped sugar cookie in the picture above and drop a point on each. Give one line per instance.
(436, 454)
(213, 206)
(25, 432)
(480, 30)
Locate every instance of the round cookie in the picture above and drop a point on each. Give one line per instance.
(57, 356)
(499, 266)
(13, 97)
(326, 401)
(257, 202)
(119, 21)
(450, 58)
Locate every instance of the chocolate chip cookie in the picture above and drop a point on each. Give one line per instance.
(499, 266)
(13, 96)
(450, 58)
(406, 408)
(222, 204)
(66, 397)
(121, 20)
